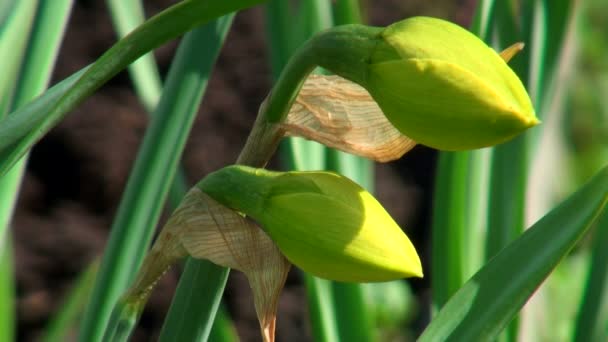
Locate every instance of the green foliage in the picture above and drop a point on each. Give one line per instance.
(468, 234)
(486, 303)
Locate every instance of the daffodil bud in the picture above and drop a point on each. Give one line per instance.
(322, 222)
(437, 83)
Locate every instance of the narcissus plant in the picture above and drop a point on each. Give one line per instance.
(321, 221)
(437, 83)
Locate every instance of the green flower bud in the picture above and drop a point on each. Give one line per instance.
(437, 83)
(443, 87)
(322, 222)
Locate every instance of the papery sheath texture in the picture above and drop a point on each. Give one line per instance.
(323, 222)
(209, 230)
(341, 114)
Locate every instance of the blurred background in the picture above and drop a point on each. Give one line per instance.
(77, 173)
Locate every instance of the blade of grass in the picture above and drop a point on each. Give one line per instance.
(321, 310)
(352, 315)
(448, 227)
(6, 8)
(459, 197)
(559, 14)
(223, 330)
(483, 19)
(17, 139)
(202, 283)
(487, 302)
(195, 303)
(43, 37)
(593, 312)
(347, 12)
(9, 186)
(300, 154)
(64, 322)
(14, 36)
(152, 174)
(509, 162)
(7, 294)
(126, 16)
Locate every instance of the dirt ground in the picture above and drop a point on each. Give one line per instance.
(76, 174)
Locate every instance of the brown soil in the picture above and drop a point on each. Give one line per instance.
(76, 174)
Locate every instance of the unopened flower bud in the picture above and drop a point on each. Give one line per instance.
(437, 83)
(322, 222)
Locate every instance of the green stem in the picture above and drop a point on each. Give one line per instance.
(343, 50)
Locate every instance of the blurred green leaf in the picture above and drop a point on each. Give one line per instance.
(483, 19)
(353, 314)
(19, 132)
(126, 16)
(487, 302)
(14, 37)
(152, 174)
(202, 283)
(28, 49)
(449, 210)
(297, 153)
(65, 320)
(7, 294)
(592, 321)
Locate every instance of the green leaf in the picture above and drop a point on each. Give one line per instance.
(14, 35)
(483, 19)
(195, 303)
(32, 51)
(202, 283)
(17, 138)
(126, 16)
(67, 317)
(593, 313)
(7, 294)
(487, 302)
(152, 174)
(449, 215)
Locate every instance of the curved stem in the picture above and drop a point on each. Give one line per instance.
(344, 50)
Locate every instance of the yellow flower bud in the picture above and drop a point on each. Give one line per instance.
(444, 87)
(322, 222)
(437, 83)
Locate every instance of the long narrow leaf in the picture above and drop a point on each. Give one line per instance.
(593, 313)
(459, 196)
(18, 137)
(150, 179)
(196, 302)
(14, 37)
(35, 68)
(7, 294)
(305, 155)
(67, 317)
(352, 315)
(126, 16)
(449, 209)
(487, 302)
(202, 284)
